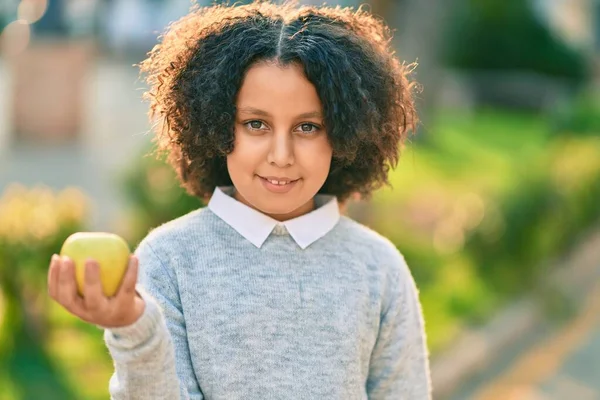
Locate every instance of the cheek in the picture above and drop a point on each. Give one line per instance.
(238, 164)
(317, 158)
(243, 158)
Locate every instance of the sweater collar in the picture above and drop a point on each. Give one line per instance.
(256, 226)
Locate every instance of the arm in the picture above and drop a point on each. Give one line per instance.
(399, 368)
(152, 357)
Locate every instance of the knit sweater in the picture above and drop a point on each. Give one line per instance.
(225, 320)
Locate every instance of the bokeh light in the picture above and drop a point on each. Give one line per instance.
(448, 237)
(32, 10)
(15, 38)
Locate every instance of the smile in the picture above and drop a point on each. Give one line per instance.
(278, 185)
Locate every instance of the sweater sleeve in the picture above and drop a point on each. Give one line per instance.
(151, 357)
(399, 367)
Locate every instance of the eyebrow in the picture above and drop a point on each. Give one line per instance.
(256, 111)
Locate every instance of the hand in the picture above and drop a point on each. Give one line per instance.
(122, 309)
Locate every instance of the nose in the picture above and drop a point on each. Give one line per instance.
(281, 152)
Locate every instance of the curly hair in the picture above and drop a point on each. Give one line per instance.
(195, 71)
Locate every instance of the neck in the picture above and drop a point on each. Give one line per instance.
(304, 209)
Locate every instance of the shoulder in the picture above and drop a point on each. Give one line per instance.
(370, 246)
(190, 229)
(173, 247)
(398, 283)
(364, 239)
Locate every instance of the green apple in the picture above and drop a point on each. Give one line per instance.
(109, 250)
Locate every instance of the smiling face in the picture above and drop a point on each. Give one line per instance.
(281, 156)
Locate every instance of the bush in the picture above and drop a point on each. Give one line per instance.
(155, 196)
(579, 117)
(34, 222)
(479, 218)
(546, 213)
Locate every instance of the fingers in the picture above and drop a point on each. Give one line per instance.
(127, 288)
(67, 288)
(53, 272)
(127, 301)
(93, 299)
(94, 306)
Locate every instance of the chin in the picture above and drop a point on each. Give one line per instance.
(279, 209)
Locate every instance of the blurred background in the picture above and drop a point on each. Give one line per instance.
(495, 203)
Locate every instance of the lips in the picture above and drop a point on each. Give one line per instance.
(278, 184)
(281, 181)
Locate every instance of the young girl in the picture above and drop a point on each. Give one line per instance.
(279, 114)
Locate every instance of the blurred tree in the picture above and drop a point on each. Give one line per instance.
(502, 35)
(419, 27)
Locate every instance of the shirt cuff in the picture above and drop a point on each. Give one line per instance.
(131, 336)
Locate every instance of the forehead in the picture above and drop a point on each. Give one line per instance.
(278, 89)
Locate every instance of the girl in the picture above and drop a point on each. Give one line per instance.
(277, 113)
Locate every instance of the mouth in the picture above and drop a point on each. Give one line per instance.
(278, 181)
(278, 184)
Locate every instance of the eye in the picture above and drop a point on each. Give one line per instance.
(254, 125)
(308, 128)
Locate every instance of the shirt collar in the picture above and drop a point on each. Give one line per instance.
(256, 226)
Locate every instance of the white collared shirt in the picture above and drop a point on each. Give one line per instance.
(256, 226)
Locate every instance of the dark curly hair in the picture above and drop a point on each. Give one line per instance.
(196, 70)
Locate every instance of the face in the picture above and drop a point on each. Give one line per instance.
(281, 155)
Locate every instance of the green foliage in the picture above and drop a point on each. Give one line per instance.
(506, 35)
(482, 208)
(548, 210)
(155, 195)
(33, 225)
(34, 222)
(580, 117)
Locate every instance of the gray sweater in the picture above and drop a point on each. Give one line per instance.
(225, 320)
